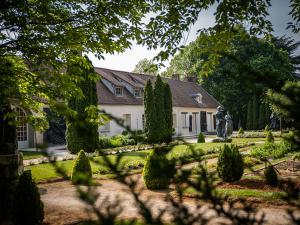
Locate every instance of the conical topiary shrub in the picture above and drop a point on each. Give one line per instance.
(28, 207)
(230, 164)
(82, 171)
(270, 137)
(271, 176)
(158, 170)
(267, 128)
(241, 131)
(201, 138)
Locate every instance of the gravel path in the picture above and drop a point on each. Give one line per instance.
(63, 207)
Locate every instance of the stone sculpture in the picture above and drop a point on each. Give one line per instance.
(228, 126)
(220, 122)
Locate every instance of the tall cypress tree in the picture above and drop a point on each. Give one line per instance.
(262, 116)
(249, 115)
(159, 109)
(149, 112)
(255, 113)
(168, 113)
(268, 114)
(80, 133)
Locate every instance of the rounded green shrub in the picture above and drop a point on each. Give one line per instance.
(230, 164)
(201, 138)
(28, 207)
(158, 170)
(270, 137)
(271, 176)
(104, 142)
(241, 131)
(82, 171)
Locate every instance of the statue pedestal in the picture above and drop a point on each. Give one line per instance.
(11, 166)
(221, 140)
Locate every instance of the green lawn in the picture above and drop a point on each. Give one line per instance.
(47, 171)
(239, 193)
(32, 155)
(131, 159)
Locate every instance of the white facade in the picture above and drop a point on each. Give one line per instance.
(186, 121)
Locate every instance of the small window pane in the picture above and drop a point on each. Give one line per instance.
(21, 128)
(119, 91)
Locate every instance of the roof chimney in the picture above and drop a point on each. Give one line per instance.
(175, 76)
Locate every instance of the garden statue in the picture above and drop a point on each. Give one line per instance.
(220, 122)
(228, 126)
(273, 121)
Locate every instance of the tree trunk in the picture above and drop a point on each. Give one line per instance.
(11, 164)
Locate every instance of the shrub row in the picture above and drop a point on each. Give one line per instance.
(120, 140)
(272, 150)
(254, 134)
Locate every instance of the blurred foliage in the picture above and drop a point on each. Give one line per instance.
(146, 66)
(245, 67)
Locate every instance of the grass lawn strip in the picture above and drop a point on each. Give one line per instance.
(130, 159)
(239, 193)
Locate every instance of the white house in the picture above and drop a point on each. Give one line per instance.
(121, 94)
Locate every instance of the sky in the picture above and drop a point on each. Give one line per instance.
(127, 60)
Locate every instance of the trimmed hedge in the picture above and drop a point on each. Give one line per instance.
(201, 138)
(158, 170)
(230, 164)
(82, 171)
(28, 207)
(119, 140)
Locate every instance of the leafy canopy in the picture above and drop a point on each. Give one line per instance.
(146, 66)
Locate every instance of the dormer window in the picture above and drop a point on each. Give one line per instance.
(197, 97)
(137, 93)
(119, 91)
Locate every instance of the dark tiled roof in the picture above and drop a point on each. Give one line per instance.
(182, 91)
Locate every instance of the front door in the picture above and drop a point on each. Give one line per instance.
(190, 123)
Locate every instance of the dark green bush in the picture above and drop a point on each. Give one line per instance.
(28, 207)
(104, 142)
(270, 137)
(271, 176)
(81, 135)
(201, 138)
(230, 164)
(82, 171)
(158, 170)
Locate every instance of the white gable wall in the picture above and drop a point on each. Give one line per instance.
(136, 122)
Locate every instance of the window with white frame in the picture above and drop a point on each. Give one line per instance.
(21, 128)
(127, 120)
(137, 93)
(184, 119)
(119, 91)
